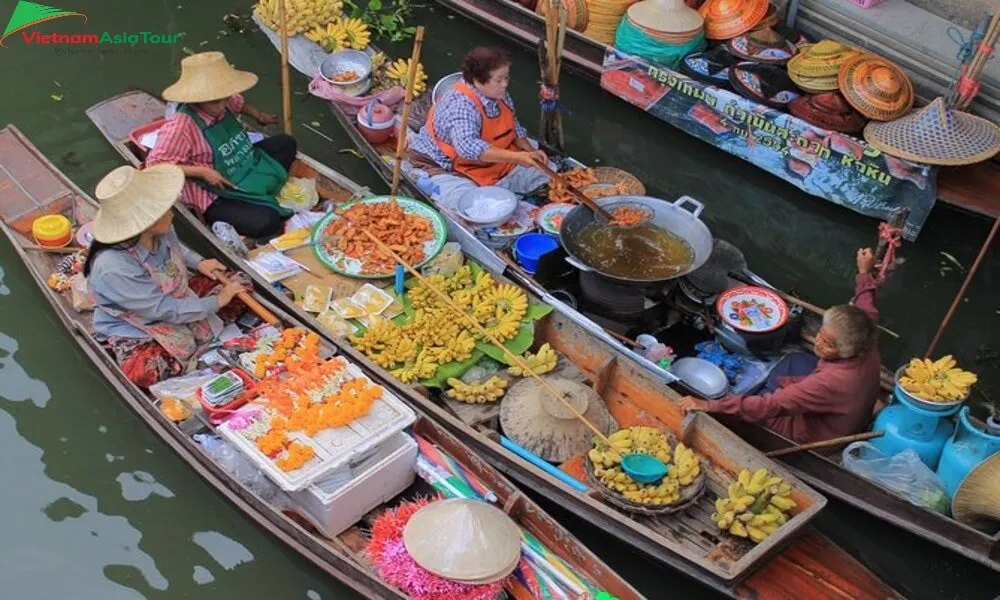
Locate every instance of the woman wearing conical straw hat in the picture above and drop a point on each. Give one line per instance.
(153, 316)
(228, 178)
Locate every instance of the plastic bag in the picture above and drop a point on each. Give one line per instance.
(181, 387)
(904, 474)
(82, 299)
(239, 467)
(298, 194)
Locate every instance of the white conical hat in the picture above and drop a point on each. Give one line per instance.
(665, 15)
(132, 200)
(208, 76)
(463, 540)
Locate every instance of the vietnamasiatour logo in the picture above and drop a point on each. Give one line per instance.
(28, 14)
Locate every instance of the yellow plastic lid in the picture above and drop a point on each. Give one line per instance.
(51, 227)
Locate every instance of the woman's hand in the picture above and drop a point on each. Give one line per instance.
(215, 179)
(865, 260)
(229, 291)
(209, 266)
(265, 119)
(531, 159)
(691, 404)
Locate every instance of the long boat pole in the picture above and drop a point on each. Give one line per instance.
(286, 92)
(404, 126)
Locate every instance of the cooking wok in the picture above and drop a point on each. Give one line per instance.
(679, 218)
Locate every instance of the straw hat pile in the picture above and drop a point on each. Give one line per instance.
(875, 87)
(536, 420)
(667, 21)
(763, 46)
(816, 66)
(937, 135)
(132, 200)
(828, 110)
(726, 19)
(604, 16)
(208, 76)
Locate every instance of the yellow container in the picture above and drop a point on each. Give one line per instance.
(53, 231)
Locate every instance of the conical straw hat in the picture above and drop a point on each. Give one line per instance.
(828, 110)
(463, 540)
(208, 76)
(132, 200)
(533, 418)
(762, 45)
(671, 16)
(822, 59)
(875, 87)
(936, 135)
(725, 19)
(977, 499)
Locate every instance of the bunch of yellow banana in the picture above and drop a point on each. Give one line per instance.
(604, 456)
(457, 348)
(378, 59)
(399, 72)
(937, 381)
(540, 362)
(357, 32)
(332, 37)
(490, 390)
(300, 15)
(421, 368)
(666, 491)
(685, 466)
(756, 506)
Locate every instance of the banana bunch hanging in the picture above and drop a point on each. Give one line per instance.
(300, 15)
(540, 362)
(399, 71)
(937, 381)
(490, 390)
(755, 507)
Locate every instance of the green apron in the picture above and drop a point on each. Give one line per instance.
(254, 171)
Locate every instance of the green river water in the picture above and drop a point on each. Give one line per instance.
(92, 506)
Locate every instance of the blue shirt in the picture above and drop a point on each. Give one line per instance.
(121, 282)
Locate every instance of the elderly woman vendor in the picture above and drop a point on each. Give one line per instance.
(228, 178)
(473, 137)
(152, 315)
(809, 400)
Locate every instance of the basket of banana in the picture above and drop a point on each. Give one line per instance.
(934, 385)
(756, 506)
(679, 489)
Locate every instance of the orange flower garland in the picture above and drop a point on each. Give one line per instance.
(295, 345)
(272, 442)
(297, 456)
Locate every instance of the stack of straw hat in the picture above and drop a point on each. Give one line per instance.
(604, 16)
(666, 21)
(816, 66)
(876, 87)
(763, 46)
(726, 19)
(577, 13)
(828, 110)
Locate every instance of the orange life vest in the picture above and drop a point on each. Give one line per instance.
(498, 132)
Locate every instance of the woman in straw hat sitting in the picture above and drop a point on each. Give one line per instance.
(832, 394)
(228, 178)
(153, 316)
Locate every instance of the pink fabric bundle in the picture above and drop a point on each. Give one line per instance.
(322, 88)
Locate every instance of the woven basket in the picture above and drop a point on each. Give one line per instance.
(689, 495)
(629, 183)
(577, 13)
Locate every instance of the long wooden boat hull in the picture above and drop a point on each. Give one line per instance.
(343, 557)
(800, 559)
(660, 92)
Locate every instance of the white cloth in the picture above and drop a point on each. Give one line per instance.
(449, 188)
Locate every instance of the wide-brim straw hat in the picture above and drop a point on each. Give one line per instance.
(876, 87)
(726, 19)
(771, 18)
(536, 420)
(766, 84)
(822, 59)
(763, 46)
(828, 110)
(936, 135)
(463, 540)
(977, 500)
(669, 16)
(132, 200)
(208, 76)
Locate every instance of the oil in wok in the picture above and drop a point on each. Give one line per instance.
(644, 252)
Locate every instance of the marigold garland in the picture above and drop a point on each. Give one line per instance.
(297, 456)
(272, 442)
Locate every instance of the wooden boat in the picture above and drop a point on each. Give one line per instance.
(30, 186)
(688, 542)
(961, 187)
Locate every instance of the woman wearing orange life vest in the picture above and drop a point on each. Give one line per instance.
(472, 136)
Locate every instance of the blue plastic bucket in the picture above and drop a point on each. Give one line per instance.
(532, 246)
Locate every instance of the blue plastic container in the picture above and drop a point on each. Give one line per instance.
(908, 426)
(966, 449)
(532, 246)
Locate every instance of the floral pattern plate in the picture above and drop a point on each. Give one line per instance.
(752, 309)
(550, 216)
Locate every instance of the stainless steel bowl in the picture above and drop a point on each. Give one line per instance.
(344, 61)
(704, 377)
(919, 402)
(444, 84)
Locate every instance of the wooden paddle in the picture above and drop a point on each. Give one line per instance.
(847, 439)
(404, 126)
(250, 301)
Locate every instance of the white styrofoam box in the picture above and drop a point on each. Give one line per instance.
(335, 448)
(333, 506)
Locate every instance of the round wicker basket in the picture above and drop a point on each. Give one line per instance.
(689, 495)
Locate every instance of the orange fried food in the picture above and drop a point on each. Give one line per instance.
(403, 233)
(624, 216)
(578, 178)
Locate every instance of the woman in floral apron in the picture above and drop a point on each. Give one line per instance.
(229, 178)
(154, 317)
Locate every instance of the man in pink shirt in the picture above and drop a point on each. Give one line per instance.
(835, 399)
